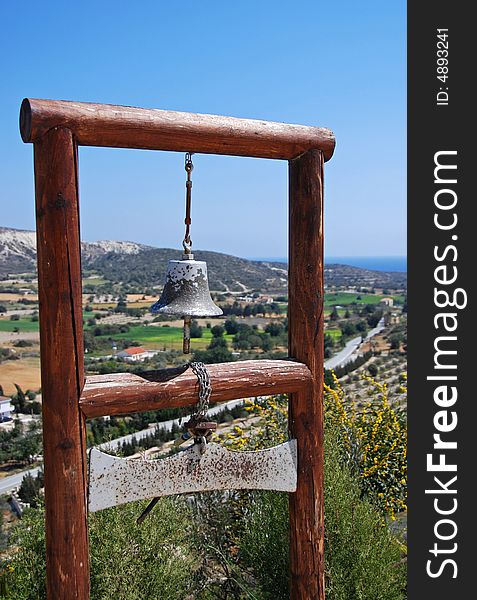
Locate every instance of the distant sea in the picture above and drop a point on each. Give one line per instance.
(375, 263)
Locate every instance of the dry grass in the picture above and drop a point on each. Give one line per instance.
(7, 297)
(25, 372)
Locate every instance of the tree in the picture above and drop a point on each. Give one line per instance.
(334, 314)
(261, 309)
(348, 328)
(267, 343)
(195, 330)
(217, 342)
(374, 319)
(217, 351)
(275, 328)
(373, 370)
(121, 305)
(231, 326)
(241, 343)
(19, 400)
(255, 340)
(27, 446)
(28, 490)
(217, 331)
(396, 339)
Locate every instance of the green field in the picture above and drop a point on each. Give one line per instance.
(334, 333)
(153, 337)
(343, 299)
(341, 312)
(21, 325)
(94, 280)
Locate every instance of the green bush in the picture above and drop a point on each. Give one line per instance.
(363, 559)
(128, 561)
(264, 542)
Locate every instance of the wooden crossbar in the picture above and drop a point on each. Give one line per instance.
(123, 393)
(153, 129)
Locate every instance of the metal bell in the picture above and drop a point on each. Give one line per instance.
(186, 293)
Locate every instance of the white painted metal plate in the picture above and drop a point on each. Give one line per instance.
(114, 481)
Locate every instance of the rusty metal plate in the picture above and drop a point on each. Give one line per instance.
(114, 481)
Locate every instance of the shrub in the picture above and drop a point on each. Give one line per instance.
(363, 558)
(373, 370)
(374, 441)
(128, 562)
(22, 344)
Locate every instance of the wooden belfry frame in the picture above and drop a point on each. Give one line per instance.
(56, 129)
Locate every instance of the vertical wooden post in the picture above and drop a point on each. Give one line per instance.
(62, 374)
(305, 317)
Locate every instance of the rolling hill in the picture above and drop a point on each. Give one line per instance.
(133, 263)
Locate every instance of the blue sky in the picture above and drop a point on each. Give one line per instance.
(340, 65)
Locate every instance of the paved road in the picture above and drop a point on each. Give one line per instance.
(167, 425)
(7, 484)
(346, 355)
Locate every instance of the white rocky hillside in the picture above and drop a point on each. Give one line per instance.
(18, 250)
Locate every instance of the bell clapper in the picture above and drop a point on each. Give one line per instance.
(186, 338)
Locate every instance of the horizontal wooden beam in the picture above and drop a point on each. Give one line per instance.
(122, 393)
(153, 129)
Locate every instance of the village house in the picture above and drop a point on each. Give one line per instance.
(386, 302)
(6, 409)
(264, 299)
(134, 354)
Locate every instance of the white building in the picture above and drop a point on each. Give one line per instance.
(6, 408)
(387, 302)
(134, 354)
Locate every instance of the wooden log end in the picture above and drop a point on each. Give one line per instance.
(25, 120)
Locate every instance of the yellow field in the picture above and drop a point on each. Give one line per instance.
(7, 297)
(25, 372)
(141, 298)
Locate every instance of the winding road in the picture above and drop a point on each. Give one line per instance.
(346, 355)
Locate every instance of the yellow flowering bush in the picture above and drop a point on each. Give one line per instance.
(363, 557)
(270, 430)
(374, 439)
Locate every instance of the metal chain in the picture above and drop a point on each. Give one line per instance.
(205, 390)
(187, 243)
